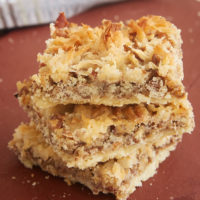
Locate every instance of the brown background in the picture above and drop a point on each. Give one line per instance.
(178, 177)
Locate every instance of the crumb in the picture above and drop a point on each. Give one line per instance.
(170, 18)
(190, 30)
(198, 13)
(150, 184)
(171, 198)
(34, 184)
(116, 17)
(1, 80)
(191, 40)
(46, 177)
(10, 40)
(28, 181)
(198, 0)
(13, 177)
(32, 175)
(157, 198)
(64, 195)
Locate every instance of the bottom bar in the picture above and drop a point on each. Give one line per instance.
(117, 176)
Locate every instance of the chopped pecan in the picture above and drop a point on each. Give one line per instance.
(94, 73)
(132, 36)
(24, 91)
(159, 34)
(112, 129)
(156, 83)
(73, 74)
(77, 44)
(61, 21)
(42, 65)
(138, 57)
(135, 139)
(155, 59)
(127, 48)
(67, 48)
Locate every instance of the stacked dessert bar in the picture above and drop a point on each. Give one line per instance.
(107, 105)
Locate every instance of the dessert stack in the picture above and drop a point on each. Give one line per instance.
(107, 105)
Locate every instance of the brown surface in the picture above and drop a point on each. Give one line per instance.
(178, 178)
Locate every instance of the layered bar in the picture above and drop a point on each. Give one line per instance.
(117, 176)
(83, 135)
(107, 105)
(112, 64)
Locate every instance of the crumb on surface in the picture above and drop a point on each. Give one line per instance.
(170, 18)
(191, 40)
(64, 195)
(46, 177)
(116, 17)
(10, 40)
(34, 183)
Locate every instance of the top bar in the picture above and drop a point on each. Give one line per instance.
(113, 64)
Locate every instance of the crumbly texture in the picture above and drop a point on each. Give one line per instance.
(107, 105)
(112, 64)
(84, 135)
(118, 176)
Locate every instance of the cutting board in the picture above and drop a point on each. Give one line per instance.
(178, 178)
